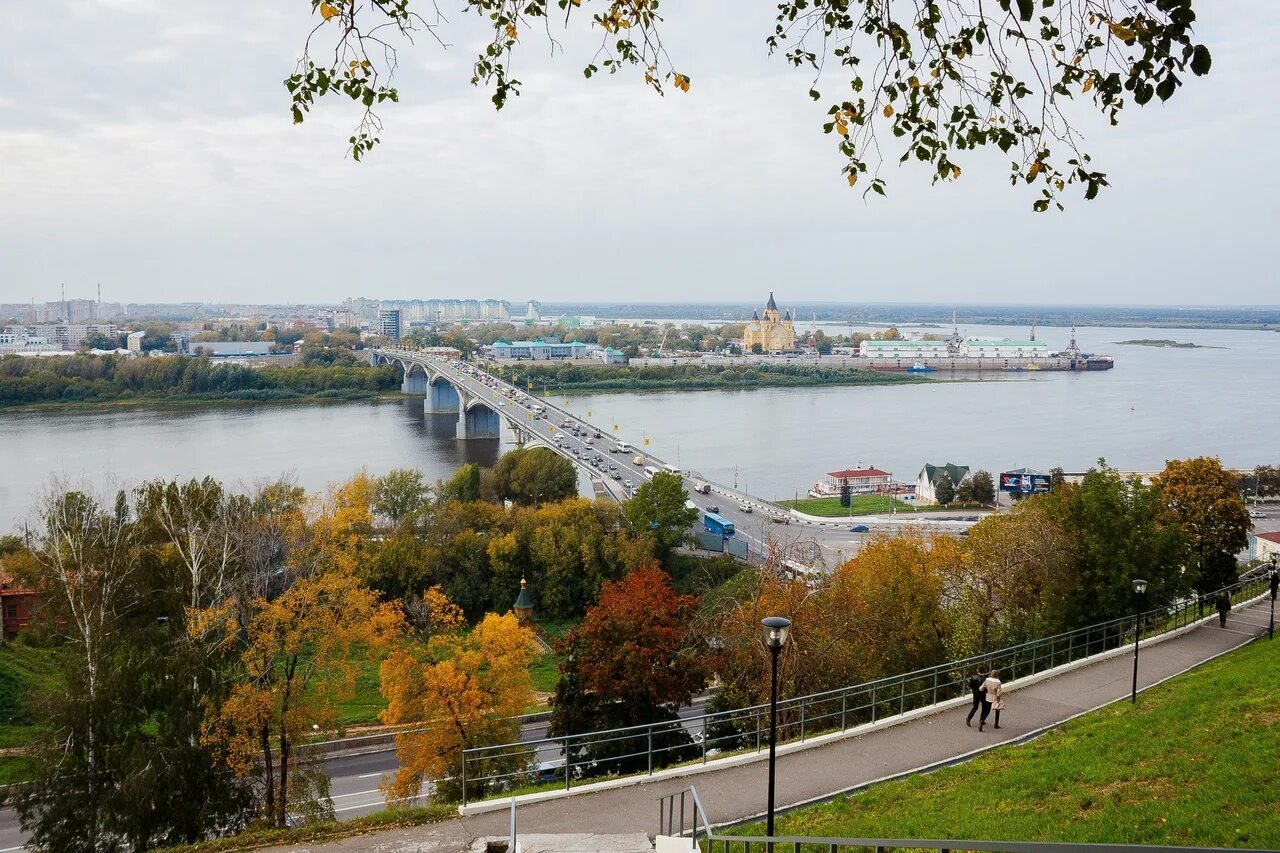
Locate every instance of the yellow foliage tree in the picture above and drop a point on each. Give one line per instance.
(466, 689)
(294, 630)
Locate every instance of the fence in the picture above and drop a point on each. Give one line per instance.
(644, 749)
(693, 822)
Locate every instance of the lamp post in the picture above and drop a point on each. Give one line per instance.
(1139, 589)
(775, 638)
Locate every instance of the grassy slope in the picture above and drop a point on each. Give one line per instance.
(1194, 763)
(23, 669)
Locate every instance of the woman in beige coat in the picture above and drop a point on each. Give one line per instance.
(994, 698)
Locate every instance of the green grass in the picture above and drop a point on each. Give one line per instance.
(24, 671)
(363, 708)
(391, 819)
(865, 505)
(1193, 763)
(545, 672)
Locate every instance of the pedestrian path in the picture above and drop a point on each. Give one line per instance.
(736, 793)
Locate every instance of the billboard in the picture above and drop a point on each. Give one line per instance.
(1016, 482)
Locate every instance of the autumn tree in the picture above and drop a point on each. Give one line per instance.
(877, 614)
(922, 82)
(659, 509)
(293, 629)
(463, 486)
(466, 690)
(1204, 500)
(634, 659)
(1008, 582)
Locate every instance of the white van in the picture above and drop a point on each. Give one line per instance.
(649, 471)
(671, 469)
(621, 447)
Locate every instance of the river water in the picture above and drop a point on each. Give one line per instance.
(1155, 405)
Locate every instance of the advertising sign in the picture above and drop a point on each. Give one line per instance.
(1025, 484)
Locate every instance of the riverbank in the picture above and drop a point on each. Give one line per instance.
(565, 378)
(197, 402)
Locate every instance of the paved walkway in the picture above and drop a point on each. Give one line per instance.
(739, 792)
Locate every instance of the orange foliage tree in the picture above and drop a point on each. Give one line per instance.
(466, 689)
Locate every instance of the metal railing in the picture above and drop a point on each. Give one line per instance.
(562, 761)
(696, 825)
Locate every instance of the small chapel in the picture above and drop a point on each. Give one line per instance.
(775, 332)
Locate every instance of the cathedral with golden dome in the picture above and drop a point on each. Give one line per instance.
(775, 332)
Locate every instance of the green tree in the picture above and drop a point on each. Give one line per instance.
(1119, 530)
(1204, 500)
(122, 765)
(659, 510)
(463, 486)
(757, 348)
(945, 490)
(534, 475)
(982, 488)
(399, 493)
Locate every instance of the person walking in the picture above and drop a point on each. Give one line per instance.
(1224, 607)
(991, 698)
(1275, 583)
(975, 687)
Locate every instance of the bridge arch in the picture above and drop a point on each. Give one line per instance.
(479, 420)
(416, 378)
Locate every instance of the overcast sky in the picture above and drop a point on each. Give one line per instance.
(147, 145)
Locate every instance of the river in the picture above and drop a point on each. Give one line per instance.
(1155, 405)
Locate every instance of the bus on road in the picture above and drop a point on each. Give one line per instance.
(716, 523)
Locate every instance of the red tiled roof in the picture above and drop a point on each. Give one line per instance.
(858, 472)
(1272, 536)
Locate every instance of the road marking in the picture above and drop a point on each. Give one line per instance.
(11, 849)
(361, 776)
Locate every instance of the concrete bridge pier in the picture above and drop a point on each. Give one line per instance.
(479, 421)
(415, 382)
(442, 397)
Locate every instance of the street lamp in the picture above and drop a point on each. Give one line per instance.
(775, 638)
(1140, 589)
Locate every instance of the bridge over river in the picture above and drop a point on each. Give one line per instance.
(482, 402)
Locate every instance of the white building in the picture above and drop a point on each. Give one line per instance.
(930, 475)
(14, 343)
(135, 341)
(609, 355)
(1263, 545)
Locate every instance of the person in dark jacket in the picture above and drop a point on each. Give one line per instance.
(1275, 583)
(975, 687)
(1224, 607)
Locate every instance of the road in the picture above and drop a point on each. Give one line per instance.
(354, 779)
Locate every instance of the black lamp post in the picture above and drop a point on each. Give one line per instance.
(775, 638)
(1139, 588)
